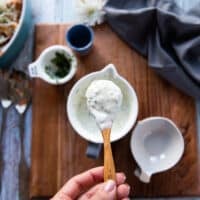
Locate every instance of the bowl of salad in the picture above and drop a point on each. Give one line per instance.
(15, 18)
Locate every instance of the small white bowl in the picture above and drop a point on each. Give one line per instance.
(78, 114)
(37, 68)
(157, 145)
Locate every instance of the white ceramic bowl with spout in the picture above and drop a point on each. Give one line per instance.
(37, 68)
(157, 145)
(78, 114)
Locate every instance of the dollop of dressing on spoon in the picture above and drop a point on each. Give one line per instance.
(104, 99)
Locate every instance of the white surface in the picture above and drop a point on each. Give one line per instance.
(53, 11)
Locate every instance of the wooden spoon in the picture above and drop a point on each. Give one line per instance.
(109, 166)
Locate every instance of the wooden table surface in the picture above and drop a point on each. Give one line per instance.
(58, 151)
(60, 11)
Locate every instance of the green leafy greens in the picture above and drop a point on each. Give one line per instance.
(60, 66)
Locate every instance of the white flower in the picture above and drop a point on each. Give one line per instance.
(91, 11)
(3, 3)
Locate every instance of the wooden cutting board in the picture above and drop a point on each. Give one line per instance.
(58, 153)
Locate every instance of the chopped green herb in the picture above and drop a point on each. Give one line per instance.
(60, 67)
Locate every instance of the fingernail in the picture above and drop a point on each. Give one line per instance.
(128, 187)
(110, 185)
(124, 176)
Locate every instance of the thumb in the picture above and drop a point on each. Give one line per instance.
(106, 192)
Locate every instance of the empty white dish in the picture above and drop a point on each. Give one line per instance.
(157, 145)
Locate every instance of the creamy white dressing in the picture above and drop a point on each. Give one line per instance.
(104, 99)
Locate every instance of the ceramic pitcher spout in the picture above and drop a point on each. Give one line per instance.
(143, 175)
(110, 70)
(33, 70)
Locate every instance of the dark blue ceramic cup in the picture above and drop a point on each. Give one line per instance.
(80, 38)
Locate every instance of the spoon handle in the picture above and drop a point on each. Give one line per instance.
(109, 166)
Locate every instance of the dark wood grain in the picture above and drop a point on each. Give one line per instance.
(58, 153)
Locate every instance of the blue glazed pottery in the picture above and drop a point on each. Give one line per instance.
(16, 43)
(80, 38)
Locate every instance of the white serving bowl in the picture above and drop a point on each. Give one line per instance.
(37, 68)
(157, 145)
(78, 114)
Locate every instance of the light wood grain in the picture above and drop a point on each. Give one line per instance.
(109, 165)
(58, 153)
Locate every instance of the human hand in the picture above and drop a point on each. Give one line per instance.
(89, 185)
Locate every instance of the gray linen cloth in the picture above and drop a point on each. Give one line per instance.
(164, 31)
